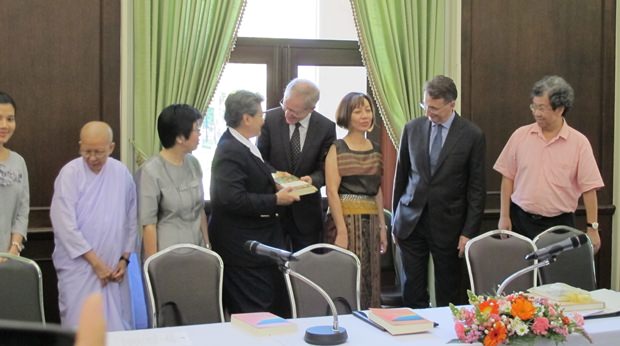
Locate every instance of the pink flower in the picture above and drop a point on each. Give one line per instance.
(578, 318)
(561, 330)
(460, 330)
(540, 326)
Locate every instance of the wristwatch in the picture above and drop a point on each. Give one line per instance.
(593, 225)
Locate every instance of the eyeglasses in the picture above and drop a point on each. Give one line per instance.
(98, 154)
(426, 108)
(542, 108)
(296, 114)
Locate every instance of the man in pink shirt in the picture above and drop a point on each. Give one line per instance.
(546, 166)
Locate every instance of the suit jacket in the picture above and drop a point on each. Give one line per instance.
(454, 196)
(274, 145)
(243, 203)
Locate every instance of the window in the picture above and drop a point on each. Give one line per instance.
(316, 48)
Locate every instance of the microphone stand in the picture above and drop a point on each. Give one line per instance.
(320, 335)
(547, 261)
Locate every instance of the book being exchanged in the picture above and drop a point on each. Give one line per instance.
(262, 323)
(299, 186)
(400, 320)
(569, 297)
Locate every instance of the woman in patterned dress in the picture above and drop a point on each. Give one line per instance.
(353, 170)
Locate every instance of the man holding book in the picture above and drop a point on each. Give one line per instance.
(295, 139)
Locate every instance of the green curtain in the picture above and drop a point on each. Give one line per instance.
(402, 44)
(180, 50)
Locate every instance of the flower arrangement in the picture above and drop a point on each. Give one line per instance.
(513, 318)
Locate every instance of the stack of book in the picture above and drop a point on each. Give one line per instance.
(300, 187)
(399, 321)
(569, 297)
(262, 323)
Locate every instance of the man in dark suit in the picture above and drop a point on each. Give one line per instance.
(439, 194)
(243, 207)
(295, 139)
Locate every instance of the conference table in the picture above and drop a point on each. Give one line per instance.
(604, 331)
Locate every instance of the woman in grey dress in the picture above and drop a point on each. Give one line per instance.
(170, 192)
(15, 201)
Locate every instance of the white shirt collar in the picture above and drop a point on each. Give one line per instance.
(253, 149)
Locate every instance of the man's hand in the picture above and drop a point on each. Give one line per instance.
(461, 247)
(307, 179)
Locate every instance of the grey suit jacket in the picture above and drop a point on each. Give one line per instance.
(274, 146)
(454, 196)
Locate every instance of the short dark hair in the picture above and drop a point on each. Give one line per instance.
(239, 103)
(441, 87)
(176, 120)
(348, 104)
(6, 98)
(558, 90)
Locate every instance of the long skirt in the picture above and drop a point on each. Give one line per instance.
(364, 241)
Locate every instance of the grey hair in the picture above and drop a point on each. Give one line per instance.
(239, 103)
(558, 90)
(305, 88)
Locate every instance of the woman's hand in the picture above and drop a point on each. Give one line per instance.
(342, 239)
(383, 235)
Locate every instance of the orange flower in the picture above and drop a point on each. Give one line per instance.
(522, 308)
(496, 336)
(489, 306)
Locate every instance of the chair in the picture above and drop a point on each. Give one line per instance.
(18, 333)
(184, 286)
(574, 267)
(392, 264)
(335, 270)
(21, 289)
(493, 256)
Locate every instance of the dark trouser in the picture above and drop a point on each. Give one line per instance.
(293, 236)
(531, 225)
(255, 289)
(414, 252)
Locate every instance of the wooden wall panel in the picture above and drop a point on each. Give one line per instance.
(507, 46)
(60, 60)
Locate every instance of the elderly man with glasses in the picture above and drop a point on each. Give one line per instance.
(439, 194)
(295, 139)
(94, 214)
(547, 166)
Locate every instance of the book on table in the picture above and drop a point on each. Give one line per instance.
(568, 297)
(399, 321)
(299, 186)
(263, 323)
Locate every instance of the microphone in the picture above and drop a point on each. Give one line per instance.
(256, 248)
(561, 246)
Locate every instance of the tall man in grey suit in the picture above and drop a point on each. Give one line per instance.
(295, 139)
(439, 194)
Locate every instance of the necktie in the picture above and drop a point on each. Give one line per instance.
(295, 146)
(436, 147)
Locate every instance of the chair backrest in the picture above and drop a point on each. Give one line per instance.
(493, 256)
(18, 333)
(184, 285)
(21, 289)
(335, 270)
(574, 267)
